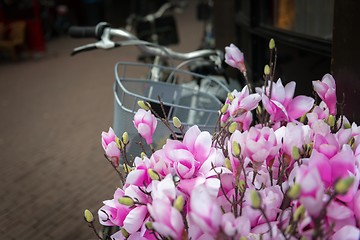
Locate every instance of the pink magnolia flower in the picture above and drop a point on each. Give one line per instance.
(232, 226)
(333, 165)
(145, 122)
(188, 156)
(204, 211)
(110, 147)
(320, 112)
(291, 136)
(259, 145)
(235, 58)
(326, 89)
(113, 213)
(312, 189)
(139, 176)
(283, 106)
(167, 220)
(240, 107)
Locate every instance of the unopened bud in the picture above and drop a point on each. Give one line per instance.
(295, 153)
(124, 233)
(125, 138)
(127, 201)
(149, 225)
(88, 216)
(143, 155)
(255, 199)
(153, 174)
(272, 44)
(294, 191)
(230, 97)
(143, 105)
(232, 127)
(299, 213)
(347, 125)
(177, 122)
(243, 238)
(179, 203)
(126, 168)
(119, 143)
(303, 118)
(343, 185)
(224, 108)
(235, 149)
(267, 70)
(241, 185)
(228, 164)
(331, 120)
(258, 110)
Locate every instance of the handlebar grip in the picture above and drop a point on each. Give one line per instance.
(88, 32)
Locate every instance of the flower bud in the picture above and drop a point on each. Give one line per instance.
(124, 233)
(295, 153)
(272, 44)
(88, 216)
(233, 127)
(241, 185)
(347, 125)
(294, 191)
(224, 108)
(179, 203)
(177, 122)
(299, 213)
(230, 97)
(144, 105)
(343, 185)
(267, 70)
(127, 201)
(255, 199)
(126, 168)
(228, 164)
(119, 143)
(331, 120)
(235, 149)
(125, 138)
(153, 174)
(149, 225)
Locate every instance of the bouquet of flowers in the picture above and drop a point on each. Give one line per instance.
(277, 167)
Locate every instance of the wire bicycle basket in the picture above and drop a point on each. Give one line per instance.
(182, 98)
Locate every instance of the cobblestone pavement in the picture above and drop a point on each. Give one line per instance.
(52, 112)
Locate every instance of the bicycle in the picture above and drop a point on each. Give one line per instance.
(171, 91)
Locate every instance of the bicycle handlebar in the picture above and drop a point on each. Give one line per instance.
(104, 32)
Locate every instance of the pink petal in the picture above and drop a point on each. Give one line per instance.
(342, 163)
(202, 146)
(321, 162)
(329, 80)
(347, 233)
(250, 102)
(135, 219)
(289, 90)
(145, 131)
(299, 106)
(190, 137)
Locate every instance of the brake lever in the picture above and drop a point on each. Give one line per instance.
(84, 48)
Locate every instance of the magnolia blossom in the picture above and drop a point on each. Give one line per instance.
(232, 226)
(258, 145)
(235, 58)
(312, 189)
(145, 122)
(282, 106)
(204, 211)
(326, 89)
(241, 106)
(188, 156)
(110, 147)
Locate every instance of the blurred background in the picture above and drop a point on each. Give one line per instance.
(53, 107)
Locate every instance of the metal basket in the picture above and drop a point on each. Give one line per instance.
(181, 98)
